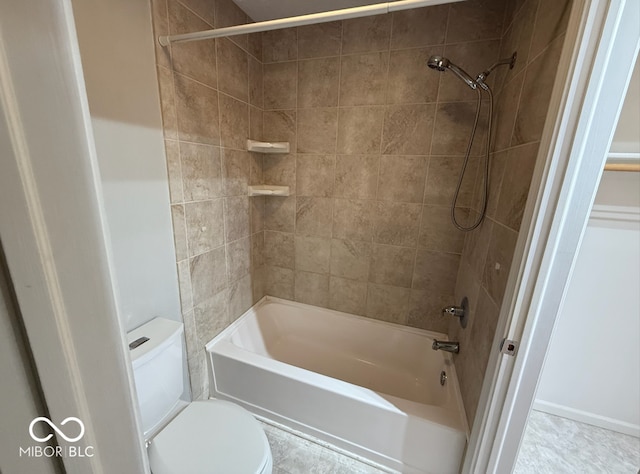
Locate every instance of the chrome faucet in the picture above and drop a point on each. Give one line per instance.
(446, 346)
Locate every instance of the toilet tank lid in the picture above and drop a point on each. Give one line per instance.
(160, 332)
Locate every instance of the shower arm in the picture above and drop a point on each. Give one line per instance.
(511, 61)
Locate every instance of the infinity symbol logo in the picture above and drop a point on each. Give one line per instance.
(56, 429)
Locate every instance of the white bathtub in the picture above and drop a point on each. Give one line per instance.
(369, 387)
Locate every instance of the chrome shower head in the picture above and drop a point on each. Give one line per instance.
(440, 63)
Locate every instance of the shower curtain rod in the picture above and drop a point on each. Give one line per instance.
(322, 17)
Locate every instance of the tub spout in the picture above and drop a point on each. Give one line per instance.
(446, 346)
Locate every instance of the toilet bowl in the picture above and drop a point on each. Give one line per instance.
(211, 436)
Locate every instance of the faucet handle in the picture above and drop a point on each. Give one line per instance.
(461, 311)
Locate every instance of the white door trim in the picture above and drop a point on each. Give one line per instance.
(53, 233)
(580, 126)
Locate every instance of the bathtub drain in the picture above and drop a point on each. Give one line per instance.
(443, 377)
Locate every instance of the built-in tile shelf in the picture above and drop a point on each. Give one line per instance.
(268, 190)
(267, 147)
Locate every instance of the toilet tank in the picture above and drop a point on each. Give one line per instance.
(158, 370)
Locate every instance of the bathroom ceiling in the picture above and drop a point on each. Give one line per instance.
(260, 10)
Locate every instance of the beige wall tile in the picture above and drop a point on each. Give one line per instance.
(312, 288)
(235, 172)
(317, 130)
(197, 111)
(236, 218)
(536, 94)
(174, 173)
(518, 38)
(256, 83)
(280, 170)
(453, 127)
(397, 223)
(408, 129)
(357, 176)
(475, 20)
(360, 129)
(234, 122)
(279, 249)
(391, 265)
(476, 246)
(280, 213)
(315, 175)
(353, 219)
(363, 79)
(255, 45)
(320, 40)
(437, 232)
(350, 259)
(179, 231)
(279, 45)
(402, 178)
(240, 297)
(208, 274)
(233, 69)
(425, 310)
(363, 35)
(238, 259)
(168, 103)
(203, 8)
(551, 22)
(483, 330)
(387, 303)
(184, 284)
(419, 27)
(318, 82)
(409, 81)
(196, 59)
(442, 178)
(256, 123)
(227, 13)
(348, 296)
(280, 282)
(519, 167)
(314, 216)
(257, 250)
(256, 174)
(506, 108)
(280, 85)
(211, 317)
(501, 246)
(258, 284)
(435, 271)
(159, 15)
(312, 254)
(205, 229)
(280, 126)
(201, 171)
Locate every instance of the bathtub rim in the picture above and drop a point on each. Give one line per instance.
(227, 332)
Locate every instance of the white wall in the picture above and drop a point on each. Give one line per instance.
(592, 370)
(116, 46)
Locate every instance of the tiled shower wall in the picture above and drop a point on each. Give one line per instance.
(377, 142)
(535, 29)
(211, 96)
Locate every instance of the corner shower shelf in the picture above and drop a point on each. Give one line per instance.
(267, 147)
(268, 190)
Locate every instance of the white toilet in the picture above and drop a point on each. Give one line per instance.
(211, 436)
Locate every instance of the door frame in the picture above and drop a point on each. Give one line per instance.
(601, 45)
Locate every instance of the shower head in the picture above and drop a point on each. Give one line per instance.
(440, 63)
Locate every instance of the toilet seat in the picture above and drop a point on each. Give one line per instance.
(212, 436)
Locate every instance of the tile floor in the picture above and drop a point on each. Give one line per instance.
(555, 445)
(295, 455)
